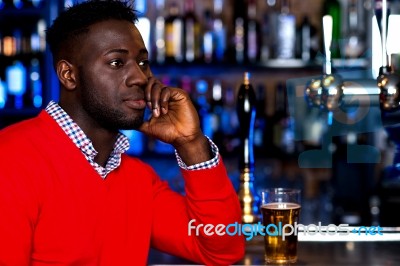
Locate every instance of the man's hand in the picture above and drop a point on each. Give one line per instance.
(175, 120)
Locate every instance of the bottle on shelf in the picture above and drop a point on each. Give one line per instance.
(143, 23)
(253, 33)
(269, 25)
(246, 111)
(286, 33)
(208, 37)
(174, 35)
(219, 32)
(191, 32)
(23, 57)
(355, 34)
(239, 32)
(305, 40)
(16, 83)
(159, 32)
(334, 8)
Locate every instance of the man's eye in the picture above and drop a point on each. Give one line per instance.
(116, 63)
(144, 63)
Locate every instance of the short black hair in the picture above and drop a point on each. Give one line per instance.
(75, 20)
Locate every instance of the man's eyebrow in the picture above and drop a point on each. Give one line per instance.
(124, 51)
(118, 50)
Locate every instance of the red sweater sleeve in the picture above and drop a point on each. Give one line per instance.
(15, 222)
(210, 199)
(18, 206)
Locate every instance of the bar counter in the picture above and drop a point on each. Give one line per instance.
(353, 249)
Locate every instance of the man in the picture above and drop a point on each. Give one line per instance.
(68, 193)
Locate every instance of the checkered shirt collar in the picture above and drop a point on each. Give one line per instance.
(76, 134)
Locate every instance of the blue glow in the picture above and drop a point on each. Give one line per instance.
(3, 95)
(16, 78)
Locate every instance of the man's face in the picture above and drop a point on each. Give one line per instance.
(113, 71)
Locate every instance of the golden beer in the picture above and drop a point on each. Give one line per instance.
(277, 248)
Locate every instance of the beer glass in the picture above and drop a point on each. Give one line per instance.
(280, 213)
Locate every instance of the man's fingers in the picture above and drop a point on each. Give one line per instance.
(165, 96)
(157, 96)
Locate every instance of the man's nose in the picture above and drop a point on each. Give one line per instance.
(137, 77)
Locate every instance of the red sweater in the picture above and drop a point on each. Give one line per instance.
(55, 209)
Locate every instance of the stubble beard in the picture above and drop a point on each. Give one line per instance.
(109, 118)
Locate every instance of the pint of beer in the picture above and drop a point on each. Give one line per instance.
(280, 211)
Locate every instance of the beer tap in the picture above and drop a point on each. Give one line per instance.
(329, 93)
(388, 81)
(332, 84)
(246, 110)
(389, 97)
(326, 92)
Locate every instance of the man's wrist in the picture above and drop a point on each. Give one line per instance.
(203, 164)
(196, 151)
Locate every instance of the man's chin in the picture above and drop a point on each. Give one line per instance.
(129, 125)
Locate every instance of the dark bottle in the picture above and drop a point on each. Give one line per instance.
(305, 38)
(208, 37)
(219, 29)
(174, 35)
(191, 32)
(246, 111)
(253, 33)
(239, 31)
(159, 32)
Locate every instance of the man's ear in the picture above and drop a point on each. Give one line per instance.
(66, 74)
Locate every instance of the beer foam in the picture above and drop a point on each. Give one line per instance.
(281, 206)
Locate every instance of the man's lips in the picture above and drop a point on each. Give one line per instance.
(135, 104)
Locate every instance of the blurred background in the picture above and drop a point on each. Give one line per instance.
(205, 47)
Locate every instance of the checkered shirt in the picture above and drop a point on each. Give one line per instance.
(76, 134)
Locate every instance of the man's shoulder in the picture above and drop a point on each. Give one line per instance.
(20, 132)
